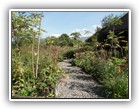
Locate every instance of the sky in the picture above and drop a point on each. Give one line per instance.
(57, 23)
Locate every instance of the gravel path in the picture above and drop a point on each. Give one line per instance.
(76, 83)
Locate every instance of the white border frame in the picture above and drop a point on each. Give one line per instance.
(69, 10)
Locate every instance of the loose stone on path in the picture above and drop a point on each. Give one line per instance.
(76, 83)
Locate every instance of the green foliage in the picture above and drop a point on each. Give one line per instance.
(115, 83)
(111, 35)
(106, 19)
(111, 20)
(18, 81)
(25, 34)
(64, 40)
(47, 79)
(106, 72)
(69, 54)
(92, 39)
(75, 35)
(51, 40)
(24, 82)
(115, 21)
(118, 61)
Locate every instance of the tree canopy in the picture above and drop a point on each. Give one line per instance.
(75, 35)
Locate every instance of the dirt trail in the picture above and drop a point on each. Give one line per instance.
(76, 83)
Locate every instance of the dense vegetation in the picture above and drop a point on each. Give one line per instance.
(32, 75)
(34, 62)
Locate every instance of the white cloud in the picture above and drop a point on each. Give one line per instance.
(90, 31)
(55, 35)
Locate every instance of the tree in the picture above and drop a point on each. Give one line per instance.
(20, 29)
(34, 24)
(86, 32)
(92, 40)
(64, 37)
(39, 36)
(75, 35)
(105, 20)
(33, 40)
(111, 20)
(64, 40)
(26, 26)
(114, 22)
(51, 40)
(35, 29)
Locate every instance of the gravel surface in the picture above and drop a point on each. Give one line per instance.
(76, 83)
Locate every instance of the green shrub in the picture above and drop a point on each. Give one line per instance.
(24, 82)
(83, 49)
(99, 66)
(106, 72)
(69, 54)
(116, 83)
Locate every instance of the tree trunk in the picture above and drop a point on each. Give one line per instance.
(33, 54)
(38, 45)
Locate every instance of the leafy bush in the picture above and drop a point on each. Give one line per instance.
(17, 76)
(83, 49)
(24, 82)
(106, 72)
(115, 83)
(69, 54)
